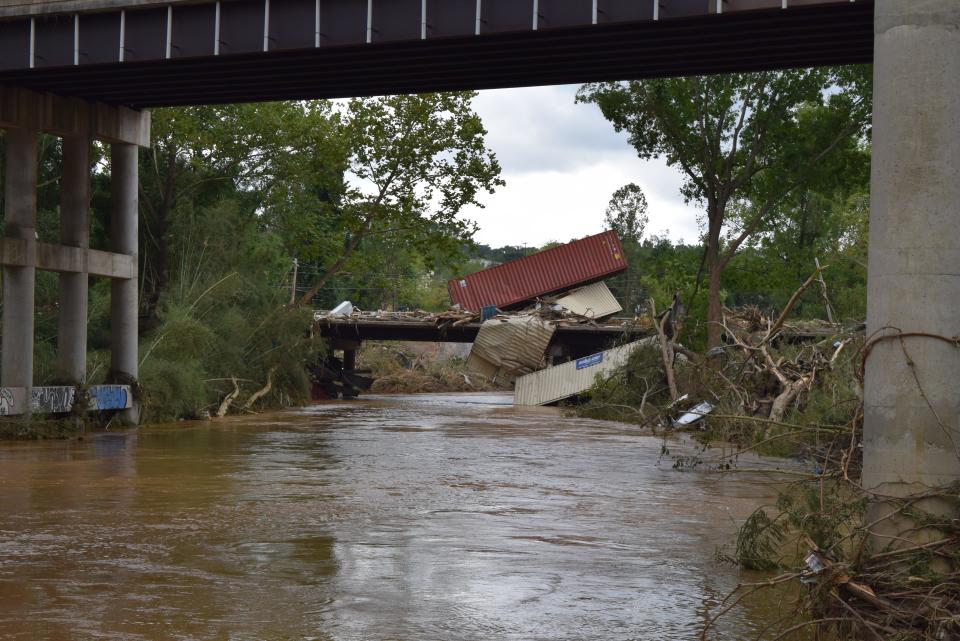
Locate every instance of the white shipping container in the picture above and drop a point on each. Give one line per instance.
(571, 378)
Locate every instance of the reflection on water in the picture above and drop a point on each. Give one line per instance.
(423, 517)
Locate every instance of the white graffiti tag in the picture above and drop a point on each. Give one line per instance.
(7, 402)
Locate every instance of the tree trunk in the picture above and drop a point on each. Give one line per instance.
(715, 307)
(714, 268)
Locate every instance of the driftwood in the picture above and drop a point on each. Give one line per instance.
(772, 331)
(790, 388)
(753, 334)
(263, 391)
(823, 292)
(666, 351)
(229, 399)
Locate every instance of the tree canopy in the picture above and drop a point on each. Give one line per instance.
(746, 144)
(416, 162)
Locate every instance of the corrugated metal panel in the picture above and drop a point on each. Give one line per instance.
(577, 263)
(562, 381)
(592, 301)
(511, 347)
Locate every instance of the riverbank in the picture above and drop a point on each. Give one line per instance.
(38, 429)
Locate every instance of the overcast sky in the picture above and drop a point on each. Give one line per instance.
(562, 161)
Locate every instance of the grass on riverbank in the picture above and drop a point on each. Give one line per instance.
(39, 429)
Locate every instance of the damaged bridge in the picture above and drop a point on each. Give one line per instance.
(346, 333)
(552, 341)
(585, 338)
(541, 310)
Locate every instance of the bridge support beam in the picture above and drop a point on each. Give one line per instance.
(124, 305)
(16, 366)
(911, 436)
(74, 232)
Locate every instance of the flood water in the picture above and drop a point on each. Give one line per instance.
(410, 518)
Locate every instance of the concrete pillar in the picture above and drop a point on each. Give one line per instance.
(911, 439)
(123, 293)
(20, 199)
(74, 232)
(349, 360)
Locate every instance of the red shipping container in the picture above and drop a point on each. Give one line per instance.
(554, 270)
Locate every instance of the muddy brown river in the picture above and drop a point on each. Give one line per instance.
(447, 517)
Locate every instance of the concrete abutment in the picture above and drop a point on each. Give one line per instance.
(25, 114)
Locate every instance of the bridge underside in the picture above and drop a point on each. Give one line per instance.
(578, 339)
(213, 52)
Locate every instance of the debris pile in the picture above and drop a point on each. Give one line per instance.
(559, 286)
(453, 316)
(768, 367)
(775, 363)
(519, 306)
(513, 344)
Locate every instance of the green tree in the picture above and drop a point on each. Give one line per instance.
(200, 156)
(627, 216)
(744, 142)
(417, 162)
(627, 213)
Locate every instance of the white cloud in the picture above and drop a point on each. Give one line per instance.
(562, 161)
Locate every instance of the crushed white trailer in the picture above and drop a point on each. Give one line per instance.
(574, 377)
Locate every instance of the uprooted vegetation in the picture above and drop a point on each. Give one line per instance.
(794, 389)
(800, 373)
(862, 565)
(401, 371)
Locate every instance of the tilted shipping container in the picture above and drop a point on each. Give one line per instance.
(574, 377)
(554, 270)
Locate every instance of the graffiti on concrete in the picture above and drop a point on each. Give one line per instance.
(109, 397)
(52, 400)
(8, 401)
(61, 399)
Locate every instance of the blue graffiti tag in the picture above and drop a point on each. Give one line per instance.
(109, 397)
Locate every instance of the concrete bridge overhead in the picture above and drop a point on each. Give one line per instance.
(144, 53)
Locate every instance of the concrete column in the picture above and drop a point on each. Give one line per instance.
(349, 360)
(16, 366)
(911, 439)
(123, 292)
(74, 232)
